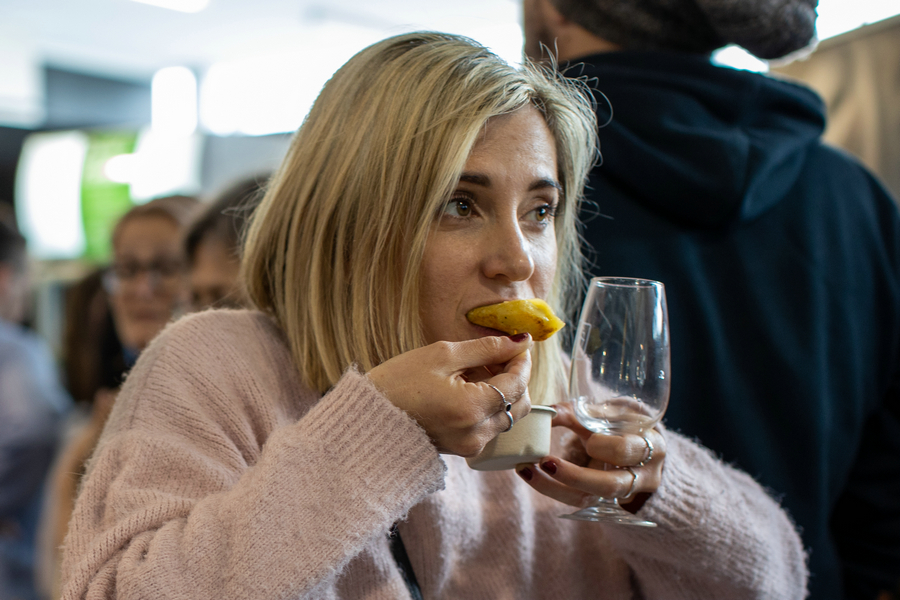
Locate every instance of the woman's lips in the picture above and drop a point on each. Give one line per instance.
(481, 329)
(147, 316)
(486, 331)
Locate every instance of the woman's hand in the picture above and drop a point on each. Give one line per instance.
(444, 387)
(579, 477)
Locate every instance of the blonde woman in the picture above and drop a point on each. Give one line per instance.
(269, 453)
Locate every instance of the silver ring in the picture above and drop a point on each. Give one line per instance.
(506, 406)
(649, 453)
(511, 421)
(633, 483)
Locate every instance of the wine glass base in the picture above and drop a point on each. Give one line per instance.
(604, 514)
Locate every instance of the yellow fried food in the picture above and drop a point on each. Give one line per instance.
(518, 316)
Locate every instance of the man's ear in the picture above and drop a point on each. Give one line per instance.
(572, 40)
(552, 17)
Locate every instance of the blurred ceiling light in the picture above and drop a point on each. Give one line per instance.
(160, 165)
(840, 16)
(22, 100)
(272, 93)
(166, 165)
(260, 96)
(48, 193)
(269, 94)
(188, 6)
(173, 94)
(121, 168)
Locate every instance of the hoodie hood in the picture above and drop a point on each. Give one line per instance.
(703, 145)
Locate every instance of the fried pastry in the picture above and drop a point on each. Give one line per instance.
(518, 316)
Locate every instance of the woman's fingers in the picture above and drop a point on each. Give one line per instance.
(577, 486)
(627, 450)
(593, 480)
(551, 488)
(475, 355)
(459, 415)
(607, 466)
(509, 375)
(565, 417)
(500, 420)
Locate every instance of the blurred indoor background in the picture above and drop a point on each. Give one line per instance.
(108, 103)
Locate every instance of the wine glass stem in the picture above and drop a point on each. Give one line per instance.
(605, 505)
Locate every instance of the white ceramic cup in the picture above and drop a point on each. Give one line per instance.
(527, 442)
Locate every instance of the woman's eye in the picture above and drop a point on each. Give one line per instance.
(458, 207)
(544, 213)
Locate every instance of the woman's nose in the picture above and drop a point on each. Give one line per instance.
(508, 253)
(146, 284)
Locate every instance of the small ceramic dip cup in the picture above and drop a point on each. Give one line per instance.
(527, 442)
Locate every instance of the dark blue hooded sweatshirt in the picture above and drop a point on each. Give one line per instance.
(781, 260)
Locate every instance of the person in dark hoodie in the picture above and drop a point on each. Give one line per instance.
(780, 256)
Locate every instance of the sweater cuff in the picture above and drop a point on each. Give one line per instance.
(682, 499)
(715, 524)
(376, 444)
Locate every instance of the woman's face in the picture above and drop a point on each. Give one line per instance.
(495, 239)
(149, 284)
(214, 275)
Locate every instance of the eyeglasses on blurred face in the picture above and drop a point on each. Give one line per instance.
(161, 274)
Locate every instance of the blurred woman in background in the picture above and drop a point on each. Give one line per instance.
(212, 246)
(114, 314)
(147, 280)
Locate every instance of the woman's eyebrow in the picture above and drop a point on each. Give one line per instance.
(545, 183)
(485, 181)
(476, 178)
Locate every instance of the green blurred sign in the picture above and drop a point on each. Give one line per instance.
(103, 201)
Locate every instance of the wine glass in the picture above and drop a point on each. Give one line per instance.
(619, 381)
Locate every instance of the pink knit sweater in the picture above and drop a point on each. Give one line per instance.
(219, 476)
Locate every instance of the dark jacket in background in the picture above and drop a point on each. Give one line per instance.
(781, 260)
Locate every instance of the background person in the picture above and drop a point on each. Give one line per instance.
(268, 453)
(143, 289)
(95, 368)
(32, 407)
(780, 256)
(94, 357)
(212, 246)
(147, 281)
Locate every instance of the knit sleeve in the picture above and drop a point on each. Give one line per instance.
(200, 489)
(719, 534)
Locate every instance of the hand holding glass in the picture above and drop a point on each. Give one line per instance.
(619, 382)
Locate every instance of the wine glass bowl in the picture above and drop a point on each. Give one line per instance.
(620, 374)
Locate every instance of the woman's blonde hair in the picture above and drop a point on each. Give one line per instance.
(334, 250)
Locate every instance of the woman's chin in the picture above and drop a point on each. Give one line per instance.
(139, 336)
